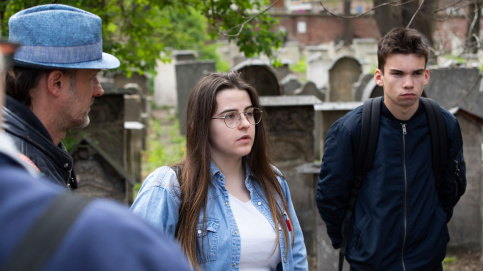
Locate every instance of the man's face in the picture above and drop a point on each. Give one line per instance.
(84, 87)
(403, 80)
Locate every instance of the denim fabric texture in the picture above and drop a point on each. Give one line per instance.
(158, 202)
(59, 36)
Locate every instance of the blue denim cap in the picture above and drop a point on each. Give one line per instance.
(59, 36)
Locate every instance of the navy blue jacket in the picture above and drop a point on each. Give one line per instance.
(34, 141)
(105, 236)
(399, 220)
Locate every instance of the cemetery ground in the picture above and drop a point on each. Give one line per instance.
(165, 146)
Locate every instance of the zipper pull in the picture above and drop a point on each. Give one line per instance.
(404, 128)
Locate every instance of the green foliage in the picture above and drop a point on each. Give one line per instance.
(300, 66)
(209, 52)
(165, 146)
(139, 32)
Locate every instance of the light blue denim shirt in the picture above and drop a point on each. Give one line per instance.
(158, 202)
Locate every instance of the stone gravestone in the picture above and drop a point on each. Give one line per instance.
(309, 88)
(261, 76)
(456, 87)
(359, 86)
(165, 79)
(290, 84)
(465, 227)
(187, 74)
(98, 175)
(290, 120)
(342, 75)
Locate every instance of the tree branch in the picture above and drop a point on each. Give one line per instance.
(414, 15)
(242, 25)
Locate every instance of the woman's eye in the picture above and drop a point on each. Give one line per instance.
(230, 115)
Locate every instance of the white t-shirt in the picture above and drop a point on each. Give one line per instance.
(258, 238)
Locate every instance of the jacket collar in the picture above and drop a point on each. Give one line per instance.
(23, 114)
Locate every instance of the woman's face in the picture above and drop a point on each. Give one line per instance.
(230, 143)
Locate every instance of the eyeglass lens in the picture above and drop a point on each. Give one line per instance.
(233, 118)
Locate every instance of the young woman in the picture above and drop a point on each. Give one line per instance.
(229, 208)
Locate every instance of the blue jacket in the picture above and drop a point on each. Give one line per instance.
(399, 220)
(33, 140)
(105, 236)
(158, 202)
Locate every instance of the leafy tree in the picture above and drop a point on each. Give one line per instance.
(140, 31)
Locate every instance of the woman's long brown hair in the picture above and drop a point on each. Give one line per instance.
(196, 174)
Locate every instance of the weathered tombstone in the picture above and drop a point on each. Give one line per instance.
(309, 88)
(365, 50)
(100, 176)
(187, 74)
(318, 69)
(282, 71)
(371, 90)
(165, 79)
(106, 128)
(359, 86)
(342, 75)
(165, 84)
(290, 84)
(456, 87)
(465, 227)
(260, 75)
(120, 81)
(290, 120)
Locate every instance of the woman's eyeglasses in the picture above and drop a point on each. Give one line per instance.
(233, 118)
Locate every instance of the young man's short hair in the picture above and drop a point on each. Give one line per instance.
(401, 40)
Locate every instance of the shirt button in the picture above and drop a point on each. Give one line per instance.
(66, 164)
(234, 264)
(226, 203)
(259, 203)
(235, 232)
(279, 228)
(199, 231)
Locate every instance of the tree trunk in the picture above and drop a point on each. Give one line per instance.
(348, 31)
(473, 30)
(387, 17)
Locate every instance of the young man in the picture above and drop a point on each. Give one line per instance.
(399, 220)
(104, 236)
(53, 83)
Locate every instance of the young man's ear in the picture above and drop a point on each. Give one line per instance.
(56, 82)
(378, 74)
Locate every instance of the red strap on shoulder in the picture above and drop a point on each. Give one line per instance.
(27, 160)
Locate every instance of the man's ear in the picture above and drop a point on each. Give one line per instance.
(56, 82)
(378, 77)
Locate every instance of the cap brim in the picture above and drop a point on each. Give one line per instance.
(107, 61)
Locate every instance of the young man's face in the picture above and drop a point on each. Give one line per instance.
(403, 80)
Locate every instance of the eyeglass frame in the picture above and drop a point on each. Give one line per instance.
(239, 116)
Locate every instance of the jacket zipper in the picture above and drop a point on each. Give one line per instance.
(405, 194)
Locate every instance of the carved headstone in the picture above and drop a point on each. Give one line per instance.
(290, 84)
(309, 88)
(187, 74)
(261, 76)
(342, 75)
(98, 175)
(291, 127)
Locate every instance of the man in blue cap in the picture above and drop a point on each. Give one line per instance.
(45, 227)
(53, 83)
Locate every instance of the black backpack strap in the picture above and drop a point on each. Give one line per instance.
(439, 141)
(41, 241)
(371, 116)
